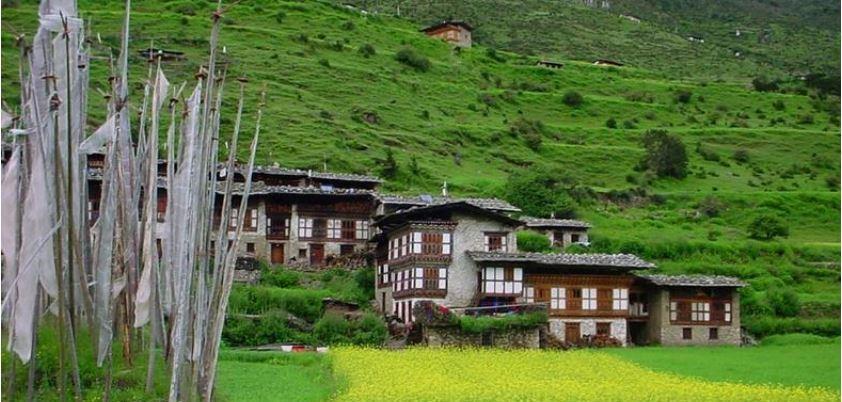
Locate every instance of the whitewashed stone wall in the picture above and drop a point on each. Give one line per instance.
(469, 235)
(587, 326)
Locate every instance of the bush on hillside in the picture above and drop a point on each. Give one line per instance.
(303, 303)
(767, 227)
(572, 99)
(710, 206)
(278, 277)
(531, 131)
(764, 84)
(611, 123)
(279, 16)
(683, 96)
(707, 153)
(348, 25)
(410, 57)
(533, 242)
(367, 50)
(364, 279)
(665, 156)
(741, 155)
(367, 330)
(539, 192)
(765, 326)
(389, 166)
(784, 302)
(778, 105)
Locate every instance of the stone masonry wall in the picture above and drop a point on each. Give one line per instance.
(435, 336)
(587, 326)
(668, 334)
(469, 235)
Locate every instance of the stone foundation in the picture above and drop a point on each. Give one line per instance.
(438, 336)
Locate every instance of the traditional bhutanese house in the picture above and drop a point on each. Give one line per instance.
(302, 225)
(691, 310)
(587, 294)
(561, 232)
(604, 62)
(456, 32)
(422, 254)
(549, 64)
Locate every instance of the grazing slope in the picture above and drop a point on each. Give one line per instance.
(776, 38)
(451, 119)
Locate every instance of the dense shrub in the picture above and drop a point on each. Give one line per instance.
(539, 192)
(572, 99)
(278, 277)
(303, 303)
(335, 329)
(665, 154)
(784, 302)
(683, 96)
(533, 242)
(706, 152)
(389, 166)
(332, 329)
(765, 326)
(763, 84)
(710, 206)
(796, 339)
(364, 278)
(410, 57)
(478, 325)
(611, 122)
(767, 226)
(279, 16)
(778, 105)
(531, 131)
(492, 54)
(348, 25)
(741, 155)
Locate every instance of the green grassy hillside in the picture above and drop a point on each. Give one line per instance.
(329, 104)
(776, 38)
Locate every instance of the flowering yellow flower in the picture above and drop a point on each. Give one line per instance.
(423, 374)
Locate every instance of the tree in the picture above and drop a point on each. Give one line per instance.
(666, 155)
(539, 192)
(784, 303)
(572, 99)
(767, 227)
(390, 165)
(533, 242)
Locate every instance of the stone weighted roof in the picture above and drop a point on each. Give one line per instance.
(485, 203)
(261, 188)
(281, 171)
(592, 260)
(693, 280)
(561, 223)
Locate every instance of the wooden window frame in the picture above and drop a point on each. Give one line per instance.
(250, 247)
(687, 333)
(348, 230)
(603, 328)
(590, 299)
(558, 298)
(620, 299)
(713, 333)
(496, 241)
(499, 280)
(362, 230)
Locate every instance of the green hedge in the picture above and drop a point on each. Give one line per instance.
(762, 327)
(303, 303)
(482, 324)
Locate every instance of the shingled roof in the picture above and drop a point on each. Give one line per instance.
(281, 171)
(693, 280)
(591, 260)
(462, 24)
(556, 223)
(261, 188)
(494, 204)
(398, 218)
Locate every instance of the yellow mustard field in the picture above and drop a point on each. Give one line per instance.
(423, 374)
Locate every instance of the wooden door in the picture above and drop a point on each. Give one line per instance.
(317, 254)
(571, 332)
(277, 253)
